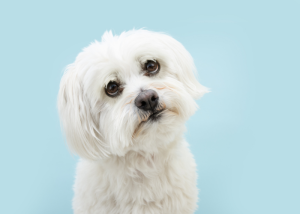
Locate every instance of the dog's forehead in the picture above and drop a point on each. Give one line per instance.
(122, 57)
(125, 56)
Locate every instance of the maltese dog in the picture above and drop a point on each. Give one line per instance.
(123, 105)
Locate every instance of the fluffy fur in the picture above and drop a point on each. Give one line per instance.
(129, 164)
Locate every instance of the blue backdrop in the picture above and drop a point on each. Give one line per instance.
(245, 137)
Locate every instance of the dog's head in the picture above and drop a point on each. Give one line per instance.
(127, 92)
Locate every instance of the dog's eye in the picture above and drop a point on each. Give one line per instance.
(112, 89)
(151, 67)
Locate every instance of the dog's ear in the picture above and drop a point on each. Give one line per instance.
(187, 73)
(78, 122)
(188, 78)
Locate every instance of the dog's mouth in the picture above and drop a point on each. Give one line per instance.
(152, 115)
(156, 115)
(145, 117)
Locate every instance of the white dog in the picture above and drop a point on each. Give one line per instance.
(123, 104)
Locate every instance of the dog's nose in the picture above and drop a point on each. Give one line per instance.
(147, 100)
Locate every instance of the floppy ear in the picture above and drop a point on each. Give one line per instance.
(188, 78)
(77, 119)
(187, 73)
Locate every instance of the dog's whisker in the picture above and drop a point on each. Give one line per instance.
(161, 106)
(172, 89)
(145, 117)
(142, 116)
(159, 88)
(172, 111)
(139, 118)
(127, 103)
(137, 131)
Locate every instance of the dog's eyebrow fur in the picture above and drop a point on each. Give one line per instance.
(112, 76)
(143, 59)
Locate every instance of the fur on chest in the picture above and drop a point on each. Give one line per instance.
(165, 182)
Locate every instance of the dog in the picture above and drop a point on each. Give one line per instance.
(123, 105)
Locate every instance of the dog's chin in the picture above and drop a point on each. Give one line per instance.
(163, 117)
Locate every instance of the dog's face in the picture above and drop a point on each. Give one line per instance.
(127, 92)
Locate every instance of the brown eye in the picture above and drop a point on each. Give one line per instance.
(152, 67)
(112, 89)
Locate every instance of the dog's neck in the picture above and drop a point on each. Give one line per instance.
(139, 164)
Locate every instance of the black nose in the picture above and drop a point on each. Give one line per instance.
(147, 100)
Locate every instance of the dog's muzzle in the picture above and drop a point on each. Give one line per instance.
(147, 100)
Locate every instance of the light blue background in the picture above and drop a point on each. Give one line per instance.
(245, 137)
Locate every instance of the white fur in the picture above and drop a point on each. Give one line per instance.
(129, 166)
